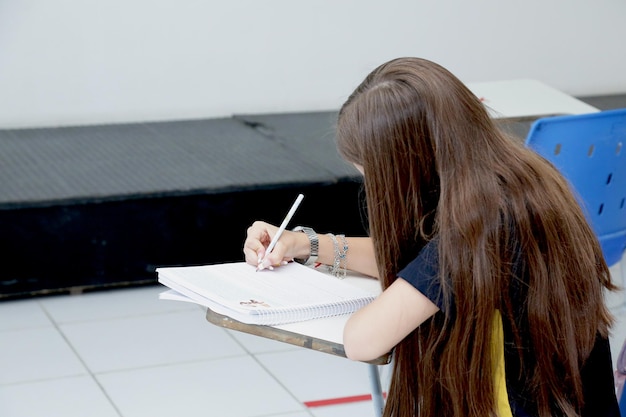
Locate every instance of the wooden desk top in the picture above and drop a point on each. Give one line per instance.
(324, 335)
(282, 335)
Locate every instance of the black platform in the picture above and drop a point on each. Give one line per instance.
(97, 207)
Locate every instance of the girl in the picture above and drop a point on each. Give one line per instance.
(493, 280)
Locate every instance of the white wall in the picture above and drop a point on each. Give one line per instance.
(101, 61)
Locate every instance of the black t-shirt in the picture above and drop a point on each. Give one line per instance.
(597, 372)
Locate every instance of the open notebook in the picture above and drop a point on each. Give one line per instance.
(288, 294)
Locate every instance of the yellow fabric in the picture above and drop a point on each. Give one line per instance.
(497, 344)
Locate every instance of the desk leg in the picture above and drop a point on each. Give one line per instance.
(377, 391)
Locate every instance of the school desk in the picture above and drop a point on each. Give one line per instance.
(323, 335)
(526, 99)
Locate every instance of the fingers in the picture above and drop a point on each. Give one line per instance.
(276, 257)
(259, 236)
(253, 254)
(267, 264)
(254, 251)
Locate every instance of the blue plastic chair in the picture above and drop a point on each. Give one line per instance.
(589, 150)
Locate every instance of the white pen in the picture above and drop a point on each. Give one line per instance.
(280, 231)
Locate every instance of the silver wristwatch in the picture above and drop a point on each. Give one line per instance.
(313, 240)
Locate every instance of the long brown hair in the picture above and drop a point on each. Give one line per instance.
(436, 166)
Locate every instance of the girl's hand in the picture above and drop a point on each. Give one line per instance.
(289, 246)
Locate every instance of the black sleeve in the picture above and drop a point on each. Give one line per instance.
(423, 273)
(598, 382)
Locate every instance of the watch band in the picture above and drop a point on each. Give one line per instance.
(313, 240)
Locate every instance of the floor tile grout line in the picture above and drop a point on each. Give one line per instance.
(169, 364)
(39, 380)
(125, 317)
(26, 328)
(307, 404)
(81, 360)
(255, 359)
(305, 408)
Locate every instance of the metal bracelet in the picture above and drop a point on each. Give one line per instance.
(338, 268)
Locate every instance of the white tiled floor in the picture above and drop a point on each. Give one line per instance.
(124, 353)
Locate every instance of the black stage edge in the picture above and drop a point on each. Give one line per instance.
(95, 207)
(80, 247)
(99, 207)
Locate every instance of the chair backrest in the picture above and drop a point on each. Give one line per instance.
(589, 151)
